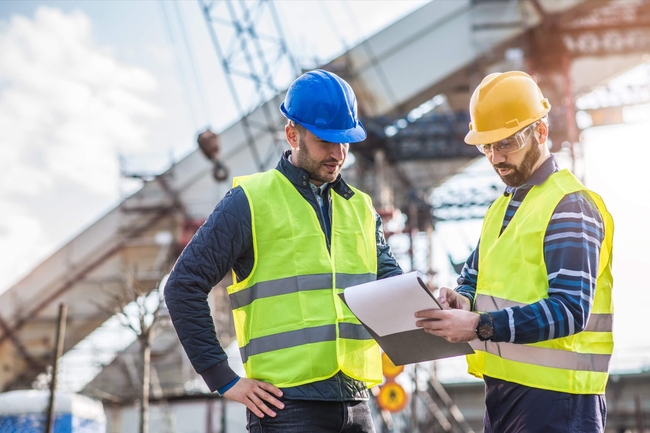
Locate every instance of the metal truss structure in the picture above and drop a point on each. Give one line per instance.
(567, 54)
(444, 48)
(258, 66)
(618, 31)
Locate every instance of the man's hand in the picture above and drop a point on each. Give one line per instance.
(454, 300)
(254, 394)
(455, 326)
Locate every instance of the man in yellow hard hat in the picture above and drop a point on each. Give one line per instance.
(534, 299)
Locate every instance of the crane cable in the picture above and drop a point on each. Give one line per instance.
(179, 68)
(194, 64)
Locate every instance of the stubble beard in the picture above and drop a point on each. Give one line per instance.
(313, 167)
(521, 173)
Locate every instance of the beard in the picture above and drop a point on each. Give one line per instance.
(315, 168)
(522, 172)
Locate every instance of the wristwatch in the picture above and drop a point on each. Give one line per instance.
(485, 328)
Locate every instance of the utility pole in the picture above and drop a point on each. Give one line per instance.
(58, 351)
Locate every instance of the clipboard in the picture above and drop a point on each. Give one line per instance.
(386, 309)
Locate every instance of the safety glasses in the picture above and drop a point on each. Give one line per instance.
(509, 145)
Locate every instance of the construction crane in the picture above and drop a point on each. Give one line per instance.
(257, 64)
(571, 46)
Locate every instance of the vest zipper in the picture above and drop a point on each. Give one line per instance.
(321, 219)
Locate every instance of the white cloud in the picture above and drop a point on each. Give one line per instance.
(68, 100)
(67, 107)
(23, 234)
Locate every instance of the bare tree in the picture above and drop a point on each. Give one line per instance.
(138, 308)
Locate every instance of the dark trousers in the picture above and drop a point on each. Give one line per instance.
(308, 416)
(514, 408)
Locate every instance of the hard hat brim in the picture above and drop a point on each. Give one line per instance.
(475, 138)
(353, 135)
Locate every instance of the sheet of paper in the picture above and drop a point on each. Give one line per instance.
(388, 306)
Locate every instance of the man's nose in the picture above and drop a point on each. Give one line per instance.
(338, 151)
(496, 157)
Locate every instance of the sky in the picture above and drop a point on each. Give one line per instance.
(82, 83)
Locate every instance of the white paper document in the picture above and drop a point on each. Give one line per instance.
(388, 306)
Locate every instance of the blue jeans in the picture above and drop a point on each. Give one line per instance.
(513, 408)
(309, 416)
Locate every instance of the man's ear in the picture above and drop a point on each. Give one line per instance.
(541, 132)
(292, 135)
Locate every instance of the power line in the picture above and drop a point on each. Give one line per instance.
(193, 63)
(179, 68)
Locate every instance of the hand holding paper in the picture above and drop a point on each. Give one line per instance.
(455, 326)
(450, 299)
(387, 309)
(388, 306)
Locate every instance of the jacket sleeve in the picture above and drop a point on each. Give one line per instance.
(387, 265)
(469, 276)
(211, 253)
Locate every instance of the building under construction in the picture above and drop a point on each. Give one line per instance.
(413, 81)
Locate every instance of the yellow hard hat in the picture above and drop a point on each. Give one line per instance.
(503, 104)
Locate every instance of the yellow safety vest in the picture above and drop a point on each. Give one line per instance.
(512, 273)
(292, 326)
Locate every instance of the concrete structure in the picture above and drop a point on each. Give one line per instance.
(444, 49)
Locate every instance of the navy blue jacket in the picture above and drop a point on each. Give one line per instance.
(225, 242)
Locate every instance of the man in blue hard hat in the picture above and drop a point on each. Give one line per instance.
(295, 237)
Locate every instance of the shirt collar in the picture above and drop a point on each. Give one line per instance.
(318, 189)
(539, 176)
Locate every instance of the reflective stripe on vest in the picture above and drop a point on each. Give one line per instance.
(303, 336)
(596, 322)
(512, 273)
(294, 284)
(545, 357)
(292, 327)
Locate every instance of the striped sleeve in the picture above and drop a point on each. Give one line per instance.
(468, 277)
(571, 252)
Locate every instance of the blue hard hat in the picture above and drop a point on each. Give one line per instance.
(325, 105)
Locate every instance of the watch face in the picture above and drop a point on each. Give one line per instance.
(485, 331)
